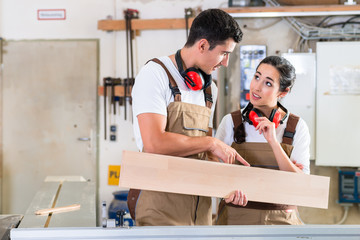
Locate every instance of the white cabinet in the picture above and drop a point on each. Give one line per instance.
(338, 104)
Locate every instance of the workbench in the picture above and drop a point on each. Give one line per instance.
(59, 193)
(316, 232)
(81, 224)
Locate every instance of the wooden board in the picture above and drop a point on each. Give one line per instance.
(144, 24)
(189, 176)
(119, 91)
(54, 210)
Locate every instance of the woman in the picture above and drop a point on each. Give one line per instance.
(283, 138)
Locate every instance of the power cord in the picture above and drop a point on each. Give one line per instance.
(346, 207)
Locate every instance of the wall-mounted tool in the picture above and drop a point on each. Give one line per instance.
(189, 12)
(129, 15)
(110, 82)
(120, 91)
(105, 84)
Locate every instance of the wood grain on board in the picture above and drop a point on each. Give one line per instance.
(189, 176)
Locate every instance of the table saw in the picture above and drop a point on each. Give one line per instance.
(315, 232)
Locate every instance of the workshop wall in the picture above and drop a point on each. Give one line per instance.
(278, 37)
(19, 21)
(1, 10)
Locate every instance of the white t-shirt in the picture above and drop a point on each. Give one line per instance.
(301, 143)
(151, 93)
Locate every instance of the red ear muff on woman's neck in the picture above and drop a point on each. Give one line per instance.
(254, 113)
(250, 113)
(275, 117)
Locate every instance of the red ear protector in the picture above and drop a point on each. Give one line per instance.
(195, 79)
(250, 113)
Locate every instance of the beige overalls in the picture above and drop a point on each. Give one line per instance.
(260, 155)
(163, 209)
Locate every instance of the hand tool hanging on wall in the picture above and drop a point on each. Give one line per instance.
(113, 96)
(189, 12)
(110, 82)
(129, 81)
(105, 84)
(124, 95)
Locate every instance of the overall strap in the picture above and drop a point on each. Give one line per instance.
(172, 84)
(237, 118)
(208, 97)
(290, 129)
(175, 89)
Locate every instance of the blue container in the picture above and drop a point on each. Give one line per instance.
(120, 203)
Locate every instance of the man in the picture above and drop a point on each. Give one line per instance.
(173, 110)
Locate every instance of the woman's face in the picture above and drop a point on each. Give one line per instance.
(265, 87)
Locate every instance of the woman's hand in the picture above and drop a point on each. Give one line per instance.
(266, 128)
(299, 165)
(237, 197)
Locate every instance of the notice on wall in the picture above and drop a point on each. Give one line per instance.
(51, 14)
(344, 79)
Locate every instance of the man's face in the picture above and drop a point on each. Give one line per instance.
(217, 57)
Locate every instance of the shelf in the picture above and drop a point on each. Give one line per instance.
(243, 12)
(118, 91)
(144, 24)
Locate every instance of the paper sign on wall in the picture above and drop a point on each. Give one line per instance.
(51, 14)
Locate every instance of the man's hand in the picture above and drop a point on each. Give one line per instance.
(237, 198)
(226, 153)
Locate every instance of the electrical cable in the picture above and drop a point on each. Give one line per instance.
(346, 211)
(342, 220)
(224, 4)
(323, 20)
(298, 215)
(296, 44)
(264, 27)
(350, 20)
(301, 45)
(311, 31)
(340, 23)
